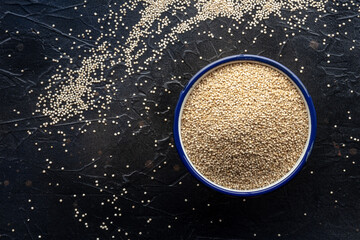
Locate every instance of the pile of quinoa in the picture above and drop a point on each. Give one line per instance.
(244, 126)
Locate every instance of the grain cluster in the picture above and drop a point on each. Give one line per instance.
(244, 126)
(72, 91)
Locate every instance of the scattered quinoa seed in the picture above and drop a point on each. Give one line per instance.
(71, 92)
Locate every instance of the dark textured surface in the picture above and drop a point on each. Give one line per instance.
(322, 202)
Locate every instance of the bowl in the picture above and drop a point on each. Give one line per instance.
(254, 59)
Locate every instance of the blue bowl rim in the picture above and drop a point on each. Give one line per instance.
(223, 61)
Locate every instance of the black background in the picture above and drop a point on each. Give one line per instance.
(321, 202)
